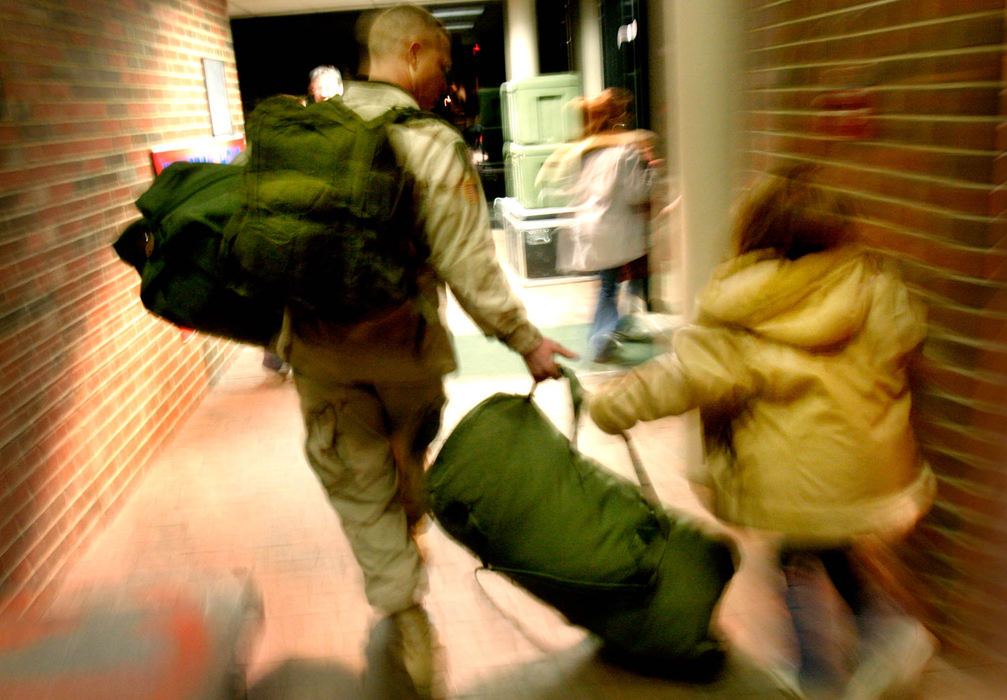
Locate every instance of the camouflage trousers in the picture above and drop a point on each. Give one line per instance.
(367, 443)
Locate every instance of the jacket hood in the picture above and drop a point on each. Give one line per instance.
(563, 165)
(818, 300)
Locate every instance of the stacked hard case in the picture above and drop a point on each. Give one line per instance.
(537, 117)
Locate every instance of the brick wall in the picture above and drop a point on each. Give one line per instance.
(904, 101)
(91, 384)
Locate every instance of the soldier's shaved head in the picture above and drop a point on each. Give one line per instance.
(393, 30)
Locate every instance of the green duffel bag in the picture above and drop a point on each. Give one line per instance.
(510, 487)
(176, 249)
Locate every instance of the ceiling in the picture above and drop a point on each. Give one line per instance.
(265, 8)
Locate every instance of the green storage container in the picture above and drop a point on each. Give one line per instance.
(521, 166)
(535, 110)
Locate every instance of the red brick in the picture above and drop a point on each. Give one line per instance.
(929, 183)
(59, 144)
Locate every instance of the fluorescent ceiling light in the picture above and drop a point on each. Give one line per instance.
(457, 13)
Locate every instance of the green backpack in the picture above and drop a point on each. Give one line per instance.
(328, 222)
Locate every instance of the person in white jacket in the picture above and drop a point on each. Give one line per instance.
(607, 177)
(798, 361)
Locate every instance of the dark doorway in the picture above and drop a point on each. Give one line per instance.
(624, 51)
(556, 20)
(275, 54)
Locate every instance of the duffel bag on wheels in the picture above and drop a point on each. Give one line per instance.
(510, 487)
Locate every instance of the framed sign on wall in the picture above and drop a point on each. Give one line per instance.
(216, 96)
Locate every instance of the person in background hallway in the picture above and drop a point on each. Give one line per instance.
(324, 82)
(372, 393)
(607, 177)
(799, 362)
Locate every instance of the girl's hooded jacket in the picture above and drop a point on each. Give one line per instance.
(804, 363)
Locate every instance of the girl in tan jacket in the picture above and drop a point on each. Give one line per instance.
(798, 362)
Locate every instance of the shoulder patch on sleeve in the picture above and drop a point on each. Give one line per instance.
(470, 190)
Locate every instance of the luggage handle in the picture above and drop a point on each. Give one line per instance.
(577, 398)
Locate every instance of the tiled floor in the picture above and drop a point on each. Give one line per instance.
(232, 491)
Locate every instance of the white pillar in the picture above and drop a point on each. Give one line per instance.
(666, 239)
(708, 40)
(520, 39)
(661, 41)
(708, 43)
(589, 56)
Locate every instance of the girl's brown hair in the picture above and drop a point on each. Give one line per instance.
(608, 110)
(791, 215)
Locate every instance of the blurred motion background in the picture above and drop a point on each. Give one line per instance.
(902, 101)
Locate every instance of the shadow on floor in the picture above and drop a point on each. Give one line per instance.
(306, 679)
(383, 678)
(576, 672)
(579, 672)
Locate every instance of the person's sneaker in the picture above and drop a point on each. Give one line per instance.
(414, 646)
(601, 348)
(274, 362)
(785, 680)
(893, 665)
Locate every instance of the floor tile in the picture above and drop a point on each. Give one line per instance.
(232, 492)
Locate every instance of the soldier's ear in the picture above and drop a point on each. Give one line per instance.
(413, 53)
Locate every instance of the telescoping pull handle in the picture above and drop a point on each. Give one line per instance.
(577, 398)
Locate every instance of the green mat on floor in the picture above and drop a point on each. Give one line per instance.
(479, 356)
